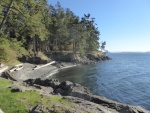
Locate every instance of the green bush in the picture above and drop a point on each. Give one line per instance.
(10, 50)
(6, 54)
(17, 47)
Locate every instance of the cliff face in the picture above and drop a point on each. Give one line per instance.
(78, 58)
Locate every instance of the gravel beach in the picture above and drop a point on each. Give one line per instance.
(30, 72)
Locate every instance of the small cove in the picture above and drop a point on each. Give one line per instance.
(126, 78)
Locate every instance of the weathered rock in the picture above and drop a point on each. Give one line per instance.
(30, 82)
(121, 108)
(40, 109)
(105, 58)
(54, 83)
(57, 108)
(39, 81)
(65, 85)
(17, 88)
(77, 58)
(90, 107)
(72, 89)
(81, 96)
(79, 91)
(21, 87)
(80, 106)
(60, 91)
(46, 90)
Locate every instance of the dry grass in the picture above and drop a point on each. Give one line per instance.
(42, 56)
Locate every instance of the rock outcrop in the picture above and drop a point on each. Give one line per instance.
(78, 58)
(81, 96)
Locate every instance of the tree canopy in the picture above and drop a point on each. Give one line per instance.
(41, 27)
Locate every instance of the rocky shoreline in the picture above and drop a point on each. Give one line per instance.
(74, 93)
(28, 79)
(79, 58)
(60, 61)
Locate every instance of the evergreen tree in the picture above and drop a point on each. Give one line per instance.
(38, 26)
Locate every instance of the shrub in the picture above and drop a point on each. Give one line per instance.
(10, 50)
(6, 54)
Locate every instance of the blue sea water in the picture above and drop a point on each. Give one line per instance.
(125, 79)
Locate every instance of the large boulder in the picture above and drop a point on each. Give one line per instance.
(103, 58)
(16, 87)
(54, 83)
(79, 91)
(65, 85)
(29, 82)
(68, 88)
(46, 90)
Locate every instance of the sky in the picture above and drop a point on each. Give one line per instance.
(123, 24)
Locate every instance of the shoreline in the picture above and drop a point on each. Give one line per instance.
(31, 71)
(57, 70)
(75, 94)
(72, 91)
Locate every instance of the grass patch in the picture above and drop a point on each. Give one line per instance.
(54, 100)
(43, 56)
(13, 62)
(20, 102)
(63, 104)
(17, 102)
(9, 103)
(4, 82)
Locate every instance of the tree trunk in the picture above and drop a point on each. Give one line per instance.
(5, 16)
(73, 46)
(34, 46)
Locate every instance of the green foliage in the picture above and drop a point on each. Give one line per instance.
(10, 50)
(6, 53)
(103, 45)
(17, 102)
(4, 82)
(8, 101)
(20, 102)
(97, 53)
(17, 47)
(39, 27)
(65, 104)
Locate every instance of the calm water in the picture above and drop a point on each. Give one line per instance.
(126, 78)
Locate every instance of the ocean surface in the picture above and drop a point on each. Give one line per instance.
(125, 78)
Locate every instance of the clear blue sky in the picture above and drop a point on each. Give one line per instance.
(123, 24)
